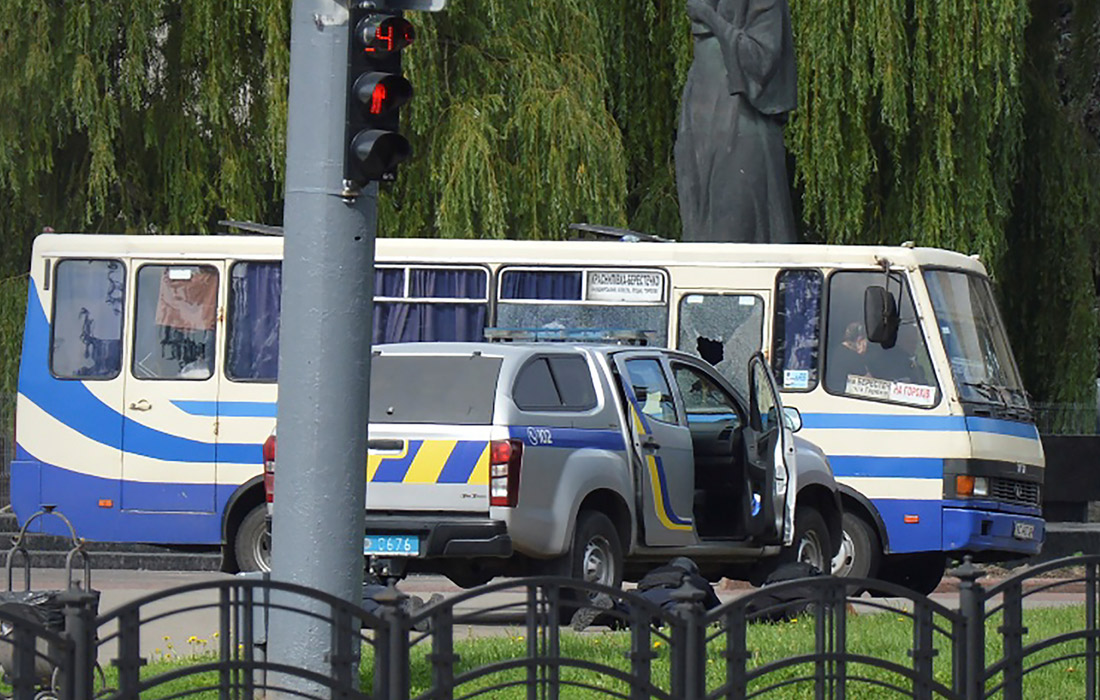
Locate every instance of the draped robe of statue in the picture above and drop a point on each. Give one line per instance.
(731, 171)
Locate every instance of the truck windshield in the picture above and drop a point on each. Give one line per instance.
(974, 338)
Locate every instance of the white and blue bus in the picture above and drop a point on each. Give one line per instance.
(148, 376)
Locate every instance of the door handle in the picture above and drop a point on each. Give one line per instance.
(650, 444)
(141, 405)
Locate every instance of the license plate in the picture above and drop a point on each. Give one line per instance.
(391, 545)
(1023, 531)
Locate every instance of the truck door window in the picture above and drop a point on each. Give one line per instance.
(651, 389)
(87, 319)
(555, 383)
(856, 367)
(723, 329)
(704, 400)
(175, 322)
(797, 330)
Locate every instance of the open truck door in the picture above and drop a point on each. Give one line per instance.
(662, 444)
(770, 460)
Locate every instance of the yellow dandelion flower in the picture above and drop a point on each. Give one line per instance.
(215, 635)
(167, 638)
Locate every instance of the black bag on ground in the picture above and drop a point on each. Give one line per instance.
(785, 604)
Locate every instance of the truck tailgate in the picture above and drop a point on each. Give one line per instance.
(428, 468)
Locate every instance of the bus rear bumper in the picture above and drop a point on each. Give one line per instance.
(968, 530)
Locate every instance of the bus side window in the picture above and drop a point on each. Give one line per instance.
(901, 373)
(253, 321)
(725, 330)
(175, 322)
(428, 303)
(87, 319)
(797, 331)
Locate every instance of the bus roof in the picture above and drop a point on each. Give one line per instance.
(479, 251)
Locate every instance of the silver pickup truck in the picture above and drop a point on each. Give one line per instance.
(593, 461)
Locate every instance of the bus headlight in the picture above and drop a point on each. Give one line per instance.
(966, 485)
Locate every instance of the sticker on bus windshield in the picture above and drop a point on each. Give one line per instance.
(613, 285)
(796, 379)
(886, 390)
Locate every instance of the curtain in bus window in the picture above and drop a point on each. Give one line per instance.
(798, 328)
(87, 319)
(254, 310)
(541, 284)
(414, 321)
(389, 282)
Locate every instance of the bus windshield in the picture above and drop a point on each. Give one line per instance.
(975, 341)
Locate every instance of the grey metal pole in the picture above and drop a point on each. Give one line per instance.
(324, 355)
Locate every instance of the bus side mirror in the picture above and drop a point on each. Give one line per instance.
(880, 316)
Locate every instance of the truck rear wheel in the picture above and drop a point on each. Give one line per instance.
(596, 555)
(252, 545)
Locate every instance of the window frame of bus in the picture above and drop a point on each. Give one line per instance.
(407, 267)
(584, 300)
(737, 372)
(231, 265)
(822, 306)
(134, 330)
(48, 283)
(824, 358)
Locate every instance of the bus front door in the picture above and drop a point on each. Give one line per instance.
(170, 406)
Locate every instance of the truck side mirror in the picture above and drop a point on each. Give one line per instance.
(880, 316)
(792, 418)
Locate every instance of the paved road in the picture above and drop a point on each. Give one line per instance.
(167, 626)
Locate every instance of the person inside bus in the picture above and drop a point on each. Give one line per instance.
(849, 357)
(907, 360)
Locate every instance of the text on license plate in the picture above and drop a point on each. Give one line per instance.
(1023, 531)
(391, 545)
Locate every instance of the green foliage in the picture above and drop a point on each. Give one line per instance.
(139, 115)
(13, 304)
(1047, 284)
(908, 123)
(514, 138)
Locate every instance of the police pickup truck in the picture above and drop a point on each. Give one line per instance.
(591, 461)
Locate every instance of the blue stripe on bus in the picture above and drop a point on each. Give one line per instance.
(922, 536)
(71, 403)
(77, 496)
(878, 421)
(228, 409)
(905, 467)
(1002, 427)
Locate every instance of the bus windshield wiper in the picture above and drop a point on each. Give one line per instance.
(989, 391)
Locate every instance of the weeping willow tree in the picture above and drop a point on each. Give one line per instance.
(1048, 282)
(513, 132)
(139, 115)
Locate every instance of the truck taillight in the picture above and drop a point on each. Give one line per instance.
(269, 468)
(505, 458)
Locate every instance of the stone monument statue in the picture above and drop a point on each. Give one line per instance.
(731, 169)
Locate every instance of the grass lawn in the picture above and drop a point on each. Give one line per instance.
(884, 636)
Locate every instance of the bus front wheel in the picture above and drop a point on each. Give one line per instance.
(252, 544)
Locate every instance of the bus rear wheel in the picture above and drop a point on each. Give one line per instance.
(252, 545)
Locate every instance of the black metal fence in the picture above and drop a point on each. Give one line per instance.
(674, 651)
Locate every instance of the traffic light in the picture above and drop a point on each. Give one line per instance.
(376, 91)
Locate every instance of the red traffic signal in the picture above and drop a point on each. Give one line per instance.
(380, 93)
(376, 91)
(381, 35)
